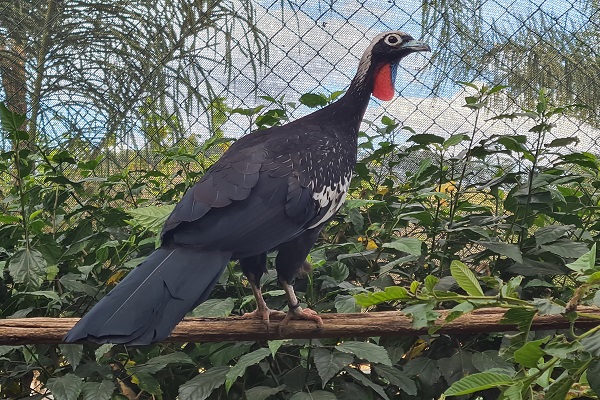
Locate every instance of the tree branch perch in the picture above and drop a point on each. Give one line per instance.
(386, 323)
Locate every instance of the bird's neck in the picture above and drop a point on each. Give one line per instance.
(351, 107)
(347, 112)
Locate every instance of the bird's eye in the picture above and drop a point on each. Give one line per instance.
(392, 40)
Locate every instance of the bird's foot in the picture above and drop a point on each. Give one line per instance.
(264, 314)
(298, 312)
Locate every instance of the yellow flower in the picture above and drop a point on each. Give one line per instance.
(116, 277)
(369, 243)
(382, 190)
(447, 187)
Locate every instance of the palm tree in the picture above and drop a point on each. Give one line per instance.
(88, 72)
(550, 46)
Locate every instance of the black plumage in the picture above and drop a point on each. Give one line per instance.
(273, 189)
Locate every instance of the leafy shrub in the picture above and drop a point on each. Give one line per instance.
(434, 223)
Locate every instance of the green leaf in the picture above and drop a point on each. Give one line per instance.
(459, 310)
(547, 307)
(157, 363)
(454, 140)
(423, 368)
(566, 248)
(147, 383)
(274, 346)
(329, 363)
(495, 89)
(97, 390)
(430, 282)
(44, 293)
(345, 303)
(150, 217)
(465, 278)
(478, 382)
(358, 203)
(511, 251)
(201, 386)
(228, 352)
(406, 244)
(7, 349)
(67, 387)
(11, 121)
(102, 350)
(422, 314)
(356, 218)
(593, 279)
(262, 392)
(586, 262)
(560, 388)
(426, 138)
(514, 392)
(339, 271)
(520, 317)
(9, 219)
(468, 84)
(244, 362)
(28, 266)
(362, 379)
(489, 359)
(397, 378)
(593, 375)
(530, 353)
(592, 343)
(562, 350)
(366, 351)
(72, 352)
(562, 142)
(316, 395)
(313, 100)
(512, 287)
(586, 160)
(391, 293)
(514, 143)
(214, 308)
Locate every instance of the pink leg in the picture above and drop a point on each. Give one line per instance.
(297, 312)
(262, 310)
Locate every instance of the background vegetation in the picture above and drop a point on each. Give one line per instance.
(510, 221)
(129, 101)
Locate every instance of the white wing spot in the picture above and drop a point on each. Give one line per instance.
(331, 198)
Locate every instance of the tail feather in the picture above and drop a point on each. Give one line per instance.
(153, 298)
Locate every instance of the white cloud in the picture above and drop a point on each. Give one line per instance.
(445, 117)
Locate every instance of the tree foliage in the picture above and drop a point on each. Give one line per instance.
(83, 56)
(525, 47)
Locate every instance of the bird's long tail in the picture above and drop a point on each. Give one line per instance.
(146, 305)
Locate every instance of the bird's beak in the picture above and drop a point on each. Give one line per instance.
(415, 45)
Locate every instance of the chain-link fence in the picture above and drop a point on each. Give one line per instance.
(124, 79)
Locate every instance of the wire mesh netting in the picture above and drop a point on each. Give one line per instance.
(124, 79)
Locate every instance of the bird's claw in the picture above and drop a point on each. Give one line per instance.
(301, 313)
(263, 314)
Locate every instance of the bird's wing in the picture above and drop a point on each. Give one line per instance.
(230, 179)
(254, 198)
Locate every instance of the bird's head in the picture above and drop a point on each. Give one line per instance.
(382, 56)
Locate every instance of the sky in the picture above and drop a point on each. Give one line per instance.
(315, 46)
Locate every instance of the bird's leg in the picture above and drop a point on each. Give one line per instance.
(294, 309)
(254, 267)
(262, 310)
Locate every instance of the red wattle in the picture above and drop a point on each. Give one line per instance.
(383, 88)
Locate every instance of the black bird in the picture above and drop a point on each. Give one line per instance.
(273, 189)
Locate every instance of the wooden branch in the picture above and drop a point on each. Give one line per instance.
(388, 323)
